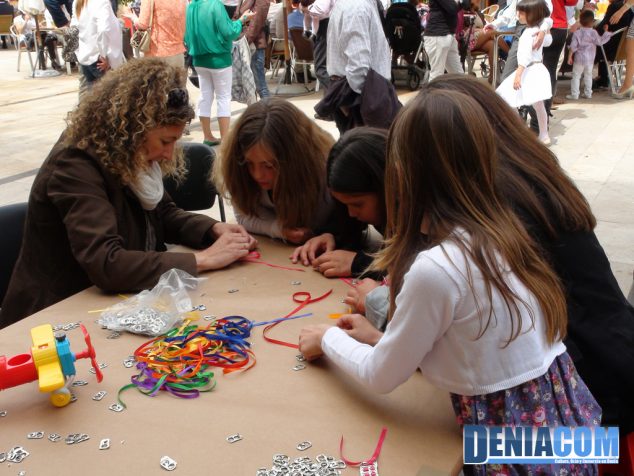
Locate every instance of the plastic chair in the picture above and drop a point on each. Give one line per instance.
(276, 55)
(616, 68)
(12, 218)
(302, 53)
(20, 46)
(195, 191)
(490, 12)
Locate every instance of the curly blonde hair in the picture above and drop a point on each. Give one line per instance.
(300, 148)
(113, 119)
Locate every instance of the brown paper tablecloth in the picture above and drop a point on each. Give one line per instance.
(271, 406)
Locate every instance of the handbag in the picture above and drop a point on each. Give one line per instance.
(140, 39)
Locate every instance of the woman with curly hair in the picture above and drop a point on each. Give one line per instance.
(98, 213)
(273, 166)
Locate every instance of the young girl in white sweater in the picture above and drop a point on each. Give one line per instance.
(474, 306)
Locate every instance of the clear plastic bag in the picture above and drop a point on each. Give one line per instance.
(153, 312)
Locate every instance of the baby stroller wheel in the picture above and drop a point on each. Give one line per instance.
(484, 69)
(413, 80)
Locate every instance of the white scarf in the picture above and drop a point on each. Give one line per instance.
(148, 186)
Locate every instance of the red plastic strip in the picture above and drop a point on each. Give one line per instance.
(254, 257)
(375, 456)
(302, 304)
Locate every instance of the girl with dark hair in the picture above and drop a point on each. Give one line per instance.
(355, 170)
(474, 304)
(530, 85)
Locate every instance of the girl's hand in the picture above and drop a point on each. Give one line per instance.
(310, 341)
(335, 263)
(355, 297)
(359, 328)
(539, 40)
(297, 236)
(570, 59)
(517, 82)
(313, 248)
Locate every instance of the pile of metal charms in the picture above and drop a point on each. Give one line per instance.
(180, 361)
(145, 320)
(323, 465)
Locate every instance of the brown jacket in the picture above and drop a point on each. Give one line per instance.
(83, 228)
(255, 30)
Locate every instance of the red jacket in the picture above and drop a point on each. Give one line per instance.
(559, 12)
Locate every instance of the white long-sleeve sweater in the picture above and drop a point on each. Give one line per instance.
(435, 327)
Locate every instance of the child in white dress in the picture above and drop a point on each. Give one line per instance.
(530, 85)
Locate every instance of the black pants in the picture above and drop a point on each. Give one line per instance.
(55, 9)
(49, 42)
(319, 50)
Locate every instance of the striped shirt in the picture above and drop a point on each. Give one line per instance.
(356, 42)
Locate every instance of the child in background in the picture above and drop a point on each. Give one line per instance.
(474, 303)
(530, 85)
(273, 167)
(583, 48)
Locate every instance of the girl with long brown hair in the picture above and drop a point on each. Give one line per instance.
(475, 306)
(273, 167)
(600, 332)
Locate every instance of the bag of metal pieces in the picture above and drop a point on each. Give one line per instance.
(156, 311)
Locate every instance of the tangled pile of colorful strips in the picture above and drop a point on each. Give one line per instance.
(180, 361)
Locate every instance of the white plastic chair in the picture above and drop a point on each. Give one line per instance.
(616, 68)
(20, 46)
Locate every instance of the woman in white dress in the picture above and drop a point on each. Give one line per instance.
(530, 85)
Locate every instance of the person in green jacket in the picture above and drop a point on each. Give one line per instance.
(209, 35)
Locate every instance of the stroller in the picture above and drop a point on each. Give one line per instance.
(405, 36)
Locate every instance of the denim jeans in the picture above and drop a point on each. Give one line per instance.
(257, 66)
(91, 73)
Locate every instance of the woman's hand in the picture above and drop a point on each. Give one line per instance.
(221, 228)
(310, 341)
(229, 247)
(102, 64)
(297, 236)
(313, 248)
(517, 82)
(359, 328)
(246, 16)
(616, 17)
(335, 263)
(356, 295)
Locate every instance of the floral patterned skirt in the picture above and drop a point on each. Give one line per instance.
(557, 398)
